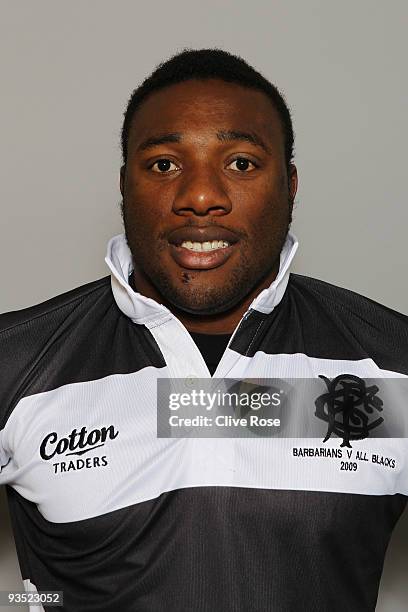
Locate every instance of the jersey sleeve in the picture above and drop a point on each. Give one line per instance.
(16, 350)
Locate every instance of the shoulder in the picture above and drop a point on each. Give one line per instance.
(347, 301)
(29, 335)
(371, 328)
(52, 309)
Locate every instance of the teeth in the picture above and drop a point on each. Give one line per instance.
(205, 246)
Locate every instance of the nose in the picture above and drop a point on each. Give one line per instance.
(201, 192)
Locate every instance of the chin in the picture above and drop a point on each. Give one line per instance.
(209, 301)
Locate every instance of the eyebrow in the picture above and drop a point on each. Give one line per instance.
(251, 137)
(223, 136)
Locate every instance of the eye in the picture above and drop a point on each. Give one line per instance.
(163, 165)
(243, 164)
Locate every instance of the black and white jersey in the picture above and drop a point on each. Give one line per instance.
(121, 520)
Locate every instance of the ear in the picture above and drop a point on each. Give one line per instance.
(122, 179)
(293, 181)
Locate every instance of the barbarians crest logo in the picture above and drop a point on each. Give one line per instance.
(347, 406)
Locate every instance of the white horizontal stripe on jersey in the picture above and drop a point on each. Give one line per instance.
(141, 466)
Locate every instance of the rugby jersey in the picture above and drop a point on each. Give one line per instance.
(119, 519)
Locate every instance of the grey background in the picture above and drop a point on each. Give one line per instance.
(67, 70)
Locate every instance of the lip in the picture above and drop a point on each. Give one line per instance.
(201, 234)
(200, 260)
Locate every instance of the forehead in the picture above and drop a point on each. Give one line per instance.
(205, 106)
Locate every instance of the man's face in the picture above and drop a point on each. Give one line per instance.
(206, 208)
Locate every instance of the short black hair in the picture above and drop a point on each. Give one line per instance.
(205, 64)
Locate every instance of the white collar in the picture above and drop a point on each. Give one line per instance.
(146, 311)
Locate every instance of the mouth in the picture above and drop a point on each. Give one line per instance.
(202, 248)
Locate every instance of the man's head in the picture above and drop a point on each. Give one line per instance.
(207, 181)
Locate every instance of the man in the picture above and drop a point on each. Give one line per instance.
(120, 519)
